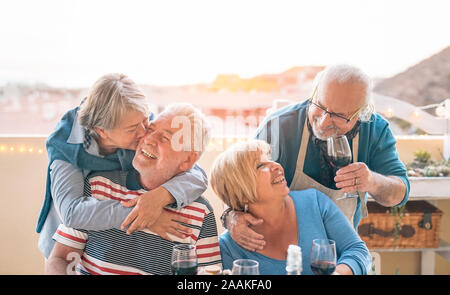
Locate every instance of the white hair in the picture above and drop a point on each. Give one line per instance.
(341, 74)
(199, 126)
(108, 100)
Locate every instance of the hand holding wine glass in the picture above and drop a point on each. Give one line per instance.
(323, 256)
(184, 260)
(340, 153)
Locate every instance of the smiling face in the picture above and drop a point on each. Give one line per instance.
(127, 133)
(156, 159)
(270, 182)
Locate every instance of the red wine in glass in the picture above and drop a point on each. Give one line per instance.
(323, 256)
(340, 161)
(339, 151)
(184, 260)
(185, 267)
(323, 267)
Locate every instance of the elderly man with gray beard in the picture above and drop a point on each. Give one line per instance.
(340, 105)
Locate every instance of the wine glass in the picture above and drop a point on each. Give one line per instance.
(245, 267)
(184, 260)
(323, 256)
(339, 151)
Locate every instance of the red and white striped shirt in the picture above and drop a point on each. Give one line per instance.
(112, 251)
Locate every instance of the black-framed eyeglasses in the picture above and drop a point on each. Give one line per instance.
(337, 116)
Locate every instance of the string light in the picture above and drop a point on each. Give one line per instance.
(440, 111)
(220, 143)
(389, 113)
(21, 149)
(416, 113)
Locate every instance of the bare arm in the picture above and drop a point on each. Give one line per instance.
(386, 190)
(62, 260)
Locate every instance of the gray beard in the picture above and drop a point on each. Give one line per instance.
(319, 135)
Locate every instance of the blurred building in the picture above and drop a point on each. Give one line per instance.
(240, 103)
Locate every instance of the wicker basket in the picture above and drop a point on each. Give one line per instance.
(417, 226)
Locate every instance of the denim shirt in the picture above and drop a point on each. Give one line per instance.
(73, 209)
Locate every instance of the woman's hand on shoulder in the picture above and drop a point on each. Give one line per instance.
(147, 209)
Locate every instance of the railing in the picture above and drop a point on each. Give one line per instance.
(23, 162)
(392, 107)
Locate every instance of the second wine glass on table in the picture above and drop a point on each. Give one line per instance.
(184, 260)
(339, 151)
(323, 256)
(245, 267)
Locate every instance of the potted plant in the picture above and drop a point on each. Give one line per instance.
(428, 178)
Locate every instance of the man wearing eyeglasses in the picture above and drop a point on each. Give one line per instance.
(340, 105)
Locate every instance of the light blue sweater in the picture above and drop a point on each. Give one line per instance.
(317, 218)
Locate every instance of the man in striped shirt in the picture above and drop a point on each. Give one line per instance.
(172, 145)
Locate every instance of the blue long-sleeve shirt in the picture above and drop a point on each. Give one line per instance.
(70, 207)
(317, 218)
(283, 131)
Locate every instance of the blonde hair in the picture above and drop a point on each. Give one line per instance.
(108, 100)
(233, 173)
(200, 129)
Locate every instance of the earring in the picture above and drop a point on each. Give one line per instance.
(245, 208)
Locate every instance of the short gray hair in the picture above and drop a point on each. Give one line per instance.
(200, 127)
(108, 100)
(343, 73)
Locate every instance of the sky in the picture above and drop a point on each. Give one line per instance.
(72, 43)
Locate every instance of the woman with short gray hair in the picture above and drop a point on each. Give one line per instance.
(102, 134)
(108, 101)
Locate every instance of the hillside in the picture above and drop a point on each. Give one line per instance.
(425, 83)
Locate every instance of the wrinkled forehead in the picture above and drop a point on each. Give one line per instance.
(177, 129)
(348, 87)
(349, 95)
(166, 122)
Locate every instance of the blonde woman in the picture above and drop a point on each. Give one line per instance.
(246, 179)
(102, 134)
